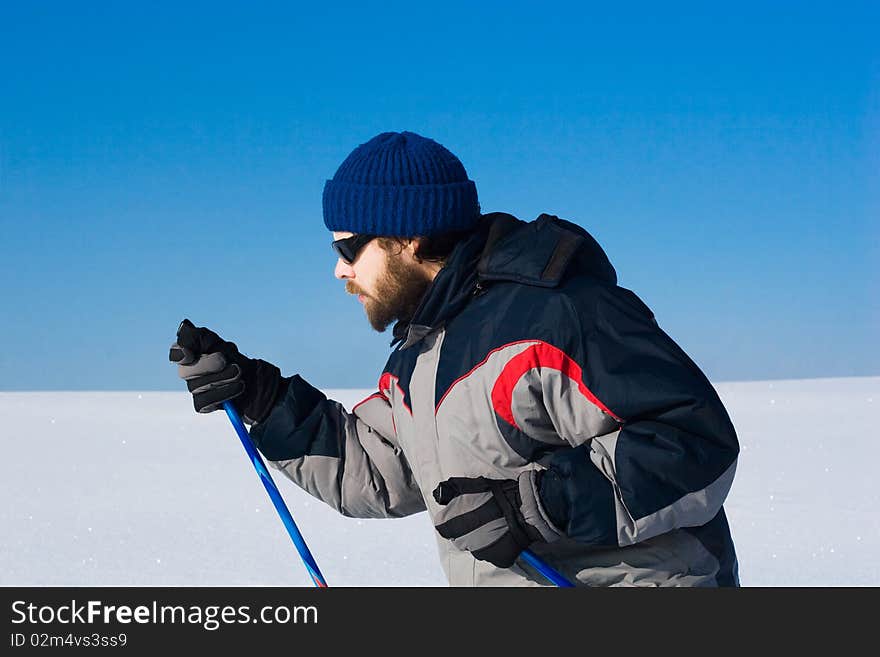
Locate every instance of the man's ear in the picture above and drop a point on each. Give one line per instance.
(412, 247)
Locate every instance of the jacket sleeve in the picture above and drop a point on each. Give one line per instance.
(641, 443)
(351, 461)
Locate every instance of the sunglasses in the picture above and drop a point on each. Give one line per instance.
(348, 247)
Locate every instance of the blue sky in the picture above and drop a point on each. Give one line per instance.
(160, 162)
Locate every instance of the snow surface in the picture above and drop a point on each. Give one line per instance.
(136, 489)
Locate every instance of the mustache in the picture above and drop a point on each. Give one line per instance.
(351, 288)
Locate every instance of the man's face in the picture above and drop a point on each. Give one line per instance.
(388, 281)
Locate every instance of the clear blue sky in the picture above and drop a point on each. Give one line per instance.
(166, 160)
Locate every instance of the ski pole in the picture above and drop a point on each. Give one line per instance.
(546, 570)
(277, 500)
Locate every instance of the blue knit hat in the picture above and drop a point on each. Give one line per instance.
(400, 184)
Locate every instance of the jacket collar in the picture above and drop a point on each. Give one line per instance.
(541, 253)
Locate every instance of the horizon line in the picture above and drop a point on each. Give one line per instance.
(162, 390)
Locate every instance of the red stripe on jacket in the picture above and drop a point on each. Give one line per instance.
(539, 355)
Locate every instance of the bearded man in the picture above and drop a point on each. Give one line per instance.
(529, 402)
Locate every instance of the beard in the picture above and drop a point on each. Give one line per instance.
(398, 293)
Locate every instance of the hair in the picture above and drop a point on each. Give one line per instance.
(432, 248)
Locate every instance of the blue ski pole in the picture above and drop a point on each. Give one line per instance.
(277, 500)
(546, 570)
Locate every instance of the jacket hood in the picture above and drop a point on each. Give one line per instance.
(543, 253)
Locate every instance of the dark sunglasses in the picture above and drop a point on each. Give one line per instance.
(348, 247)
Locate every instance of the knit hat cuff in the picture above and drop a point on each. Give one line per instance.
(400, 210)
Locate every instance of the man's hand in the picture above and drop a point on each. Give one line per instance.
(216, 372)
(488, 517)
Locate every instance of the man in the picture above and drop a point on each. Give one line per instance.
(529, 401)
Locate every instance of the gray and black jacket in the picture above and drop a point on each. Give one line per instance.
(525, 354)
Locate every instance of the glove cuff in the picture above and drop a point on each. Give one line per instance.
(267, 381)
(531, 508)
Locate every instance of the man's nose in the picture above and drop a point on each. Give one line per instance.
(343, 270)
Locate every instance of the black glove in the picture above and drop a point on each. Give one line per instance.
(216, 372)
(493, 519)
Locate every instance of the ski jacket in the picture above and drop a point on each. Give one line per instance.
(525, 354)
